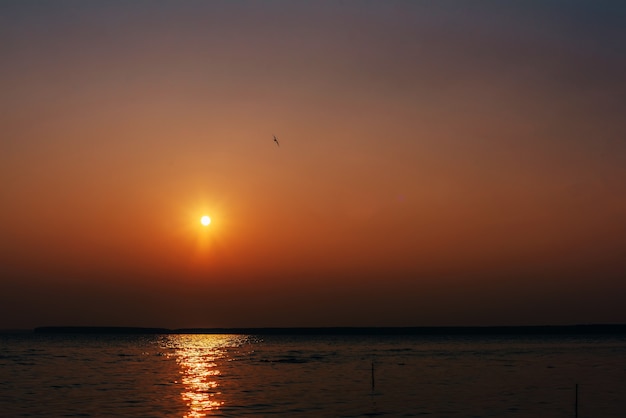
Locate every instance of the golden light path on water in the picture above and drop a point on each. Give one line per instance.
(199, 358)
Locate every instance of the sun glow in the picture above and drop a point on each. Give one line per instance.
(203, 230)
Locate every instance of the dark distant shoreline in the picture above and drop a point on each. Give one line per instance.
(591, 329)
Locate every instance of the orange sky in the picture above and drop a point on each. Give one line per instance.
(439, 164)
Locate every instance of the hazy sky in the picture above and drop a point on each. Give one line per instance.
(440, 163)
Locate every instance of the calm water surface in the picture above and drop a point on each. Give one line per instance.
(313, 376)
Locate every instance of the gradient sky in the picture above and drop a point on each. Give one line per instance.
(441, 163)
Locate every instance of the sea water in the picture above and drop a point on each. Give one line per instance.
(311, 376)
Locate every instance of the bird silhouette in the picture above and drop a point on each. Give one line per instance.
(276, 140)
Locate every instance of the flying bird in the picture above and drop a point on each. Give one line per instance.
(276, 140)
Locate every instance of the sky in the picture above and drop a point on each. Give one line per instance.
(440, 163)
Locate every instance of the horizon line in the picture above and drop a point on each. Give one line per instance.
(600, 328)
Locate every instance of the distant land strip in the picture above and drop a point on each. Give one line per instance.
(586, 329)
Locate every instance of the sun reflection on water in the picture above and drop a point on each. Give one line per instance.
(198, 357)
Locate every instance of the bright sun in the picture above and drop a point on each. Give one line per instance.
(205, 220)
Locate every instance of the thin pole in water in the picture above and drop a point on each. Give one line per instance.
(576, 402)
(373, 381)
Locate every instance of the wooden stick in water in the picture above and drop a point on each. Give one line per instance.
(373, 381)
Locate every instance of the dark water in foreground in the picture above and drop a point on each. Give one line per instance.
(313, 376)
